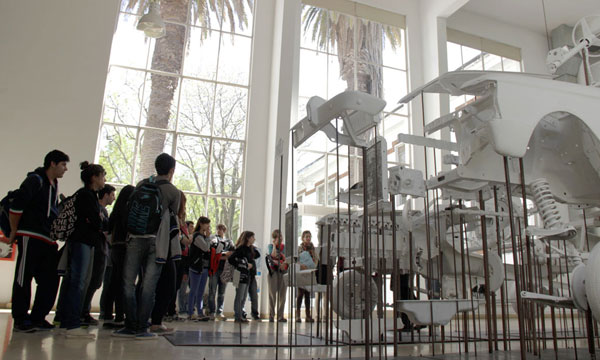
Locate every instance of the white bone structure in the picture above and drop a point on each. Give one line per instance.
(552, 126)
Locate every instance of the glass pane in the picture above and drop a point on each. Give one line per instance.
(160, 101)
(195, 206)
(471, 59)
(511, 65)
(394, 49)
(302, 101)
(234, 59)
(314, 24)
(167, 54)
(197, 61)
(492, 62)
(226, 169)
(192, 163)
(227, 212)
(117, 146)
(394, 125)
(206, 15)
(311, 173)
(230, 112)
(313, 74)
(129, 46)
(123, 96)
(332, 172)
(196, 107)
(454, 56)
(456, 102)
(152, 143)
(336, 83)
(238, 17)
(394, 88)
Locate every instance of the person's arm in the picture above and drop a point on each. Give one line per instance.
(87, 209)
(202, 242)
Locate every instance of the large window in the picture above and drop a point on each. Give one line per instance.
(185, 94)
(346, 52)
(469, 52)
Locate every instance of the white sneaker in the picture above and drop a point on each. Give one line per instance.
(78, 333)
(221, 317)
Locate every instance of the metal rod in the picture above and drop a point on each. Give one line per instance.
(500, 240)
(516, 265)
(366, 264)
(486, 273)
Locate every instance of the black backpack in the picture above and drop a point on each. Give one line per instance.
(5, 207)
(144, 208)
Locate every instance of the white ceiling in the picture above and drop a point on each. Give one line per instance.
(529, 13)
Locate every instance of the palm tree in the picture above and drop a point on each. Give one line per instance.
(168, 56)
(329, 28)
(338, 30)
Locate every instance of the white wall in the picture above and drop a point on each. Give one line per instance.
(534, 46)
(53, 64)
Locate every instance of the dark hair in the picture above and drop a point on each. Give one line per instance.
(89, 170)
(306, 232)
(276, 234)
(107, 189)
(164, 163)
(54, 156)
(222, 227)
(243, 239)
(189, 222)
(120, 207)
(201, 220)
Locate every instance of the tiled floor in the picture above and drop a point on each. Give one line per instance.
(51, 346)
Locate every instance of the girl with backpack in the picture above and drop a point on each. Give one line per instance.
(86, 235)
(243, 261)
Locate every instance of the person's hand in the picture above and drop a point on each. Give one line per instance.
(186, 241)
(250, 266)
(185, 277)
(303, 267)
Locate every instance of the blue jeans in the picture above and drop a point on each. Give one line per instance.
(240, 298)
(253, 293)
(81, 258)
(140, 255)
(216, 287)
(197, 286)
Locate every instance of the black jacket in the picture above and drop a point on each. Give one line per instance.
(36, 201)
(241, 257)
(88, 226)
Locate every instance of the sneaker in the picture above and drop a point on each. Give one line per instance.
(310, 320)
(89, 321)
(241, 321)
(202, 318)
(24, 327)
(282, 320)
(298, 320)
(192, 317)
(161, 330)
(221, 317)
(271, 319)
(124, 333)
(211, 316)
(255, 317)
(146, 336)
(56, 323)
(43, 325)
(78, 333)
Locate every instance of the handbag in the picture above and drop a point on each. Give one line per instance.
(236, 278)
(227, 274)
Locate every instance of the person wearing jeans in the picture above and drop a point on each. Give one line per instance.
(86, 235)
(215, 285)
(243, 260)
(199, 262)
(141, 256)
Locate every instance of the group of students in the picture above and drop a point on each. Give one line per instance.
(142, 272)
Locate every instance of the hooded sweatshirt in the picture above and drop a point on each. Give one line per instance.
(36, 202)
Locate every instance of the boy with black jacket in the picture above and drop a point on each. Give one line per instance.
(32, 211)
